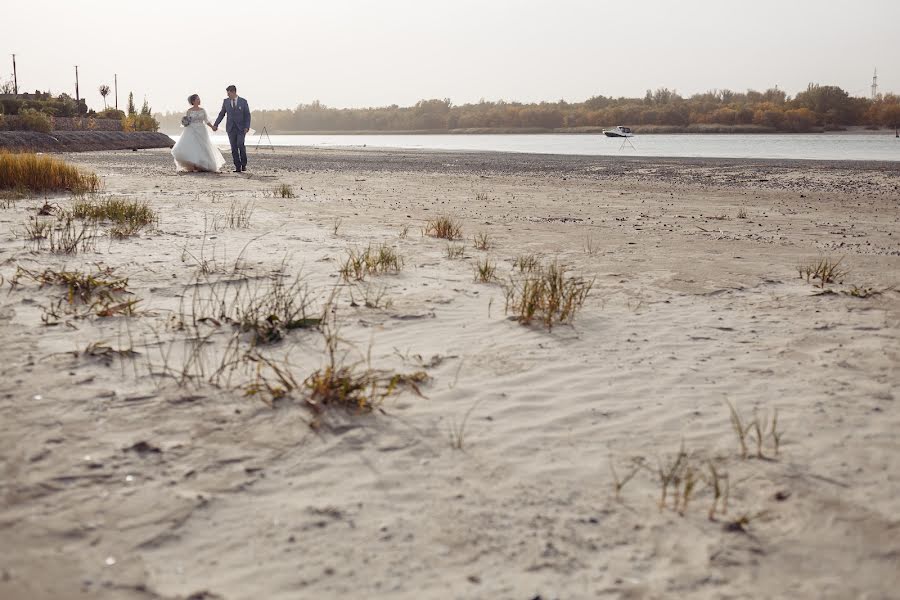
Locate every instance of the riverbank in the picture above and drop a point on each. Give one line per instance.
(129, 471)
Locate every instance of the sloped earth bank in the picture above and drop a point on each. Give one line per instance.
(120, 481)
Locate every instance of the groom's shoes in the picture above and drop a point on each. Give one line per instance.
(244, 168)
(237, 170)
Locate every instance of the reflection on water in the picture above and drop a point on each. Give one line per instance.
(833, 146)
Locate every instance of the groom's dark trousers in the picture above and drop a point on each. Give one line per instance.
(238, 150)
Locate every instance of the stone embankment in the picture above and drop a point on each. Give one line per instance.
(82, 141)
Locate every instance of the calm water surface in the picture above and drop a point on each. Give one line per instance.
(881, 146)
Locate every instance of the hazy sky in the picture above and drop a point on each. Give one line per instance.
(378, 52)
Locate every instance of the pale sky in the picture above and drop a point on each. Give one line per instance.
(378, 52)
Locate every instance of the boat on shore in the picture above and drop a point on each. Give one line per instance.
(618, 132)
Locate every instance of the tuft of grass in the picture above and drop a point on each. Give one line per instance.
(715, 482)
(404, 232)
(826, 270)
(126, 217)
(619, 483)
(457, 431)
(238, 215)
(481, 197)
(485, 271)
(371, 297)
(761, 430)
(67, 236)
(456, 251)
(742, 213)
(43, 173)
(336, 225)
(270, 311)
(590, 246)
(526, 263)
(353, 388)
(481, 241)
(546, 293)
(38, 229)
(445, 228)
(372, 260)
(99, 293)
(668, 475)
(283, 191)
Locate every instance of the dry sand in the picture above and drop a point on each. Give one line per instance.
(116, 482)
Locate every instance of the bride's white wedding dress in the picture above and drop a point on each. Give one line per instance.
(194, 151)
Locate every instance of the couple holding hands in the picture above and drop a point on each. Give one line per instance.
(195, 151)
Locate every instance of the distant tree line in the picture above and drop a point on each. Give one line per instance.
(819, 107)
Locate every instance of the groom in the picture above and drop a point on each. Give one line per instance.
(238, 125)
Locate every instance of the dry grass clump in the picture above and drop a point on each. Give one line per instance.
(482, 241)
(826, 270)
(266, 309)
(445, 228)
(351, 387)
(283, 191)
(546, 293)
(761, 430)
(526, 263)
(372, 260)
(42, 173)
(456, 251)
(485, 271)
(99, 293)
(742, 213)
(238, 216)
(63, 235)
(126, 217)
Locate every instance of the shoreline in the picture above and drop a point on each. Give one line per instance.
(646, 130)
(386, 159)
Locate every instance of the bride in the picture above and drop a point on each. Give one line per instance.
(195, 151)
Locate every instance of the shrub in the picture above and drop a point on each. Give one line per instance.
(140, 123)
(33, 120)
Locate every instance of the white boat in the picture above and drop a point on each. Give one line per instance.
(618, 132)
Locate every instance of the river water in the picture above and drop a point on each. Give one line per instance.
(878, 146)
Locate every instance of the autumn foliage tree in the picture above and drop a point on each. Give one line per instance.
(817, 107)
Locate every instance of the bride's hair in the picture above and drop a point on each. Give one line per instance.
(192, 97)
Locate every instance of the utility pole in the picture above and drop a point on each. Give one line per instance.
(15, 79)
(116, 84)
(77, 96)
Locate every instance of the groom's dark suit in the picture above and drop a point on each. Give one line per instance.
(238, 112)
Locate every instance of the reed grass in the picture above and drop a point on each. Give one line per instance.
(39, 173)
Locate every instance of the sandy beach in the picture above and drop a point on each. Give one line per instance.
(135, 465)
